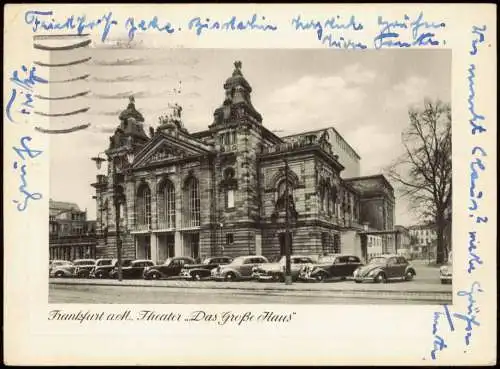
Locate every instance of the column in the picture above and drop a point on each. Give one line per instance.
(258, 243)
(178, 244)
(154, 247)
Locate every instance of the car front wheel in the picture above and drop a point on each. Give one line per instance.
(409, 275)
(155, 275)
(230, 277)
(59, 275)
(196, 276)
(380, 278)
(320, 277)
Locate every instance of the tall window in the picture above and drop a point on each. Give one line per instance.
(328, 196)
(230, 199)
(193, 197)
(166, 204)
(144, 205)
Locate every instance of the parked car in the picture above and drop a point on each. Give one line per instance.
(200, 271)
(134, 270)
(104, 267)
(240, 268)
(83, 267)
(329, 267)
(446, 271)
(171, 267)
(382, 268)
(61, 268)
(276, 271)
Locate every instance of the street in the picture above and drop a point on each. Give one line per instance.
(154, 295)
(424, 289)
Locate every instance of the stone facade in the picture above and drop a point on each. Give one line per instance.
(222, 191)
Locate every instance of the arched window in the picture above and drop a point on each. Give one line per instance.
(166, 204)
(282, 189)
(192, 192)
(144, 205)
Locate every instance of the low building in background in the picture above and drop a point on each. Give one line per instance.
(71, 235)
(403, 241)
(423, 241)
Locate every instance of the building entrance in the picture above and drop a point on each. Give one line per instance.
(166, 246)
(192, 245)
(143, 246)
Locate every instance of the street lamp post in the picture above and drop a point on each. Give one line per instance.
(288, 275)
(117, 197)
(221, 225)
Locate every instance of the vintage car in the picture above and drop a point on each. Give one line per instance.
(382, 268)
(276, 271)
(446, 271)
(199, 271)
(240, 268)
(170, 268)
(60, 268)
(83, 267)
(104, 267)
(133, 270)
(330, 267)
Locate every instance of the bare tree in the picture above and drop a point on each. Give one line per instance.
(423, 172)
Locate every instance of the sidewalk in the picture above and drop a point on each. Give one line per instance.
(396, 289)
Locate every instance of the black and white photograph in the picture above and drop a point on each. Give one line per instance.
(250, 176)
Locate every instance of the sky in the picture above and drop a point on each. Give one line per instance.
(365, 95)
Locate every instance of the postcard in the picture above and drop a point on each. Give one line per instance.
(250, 184)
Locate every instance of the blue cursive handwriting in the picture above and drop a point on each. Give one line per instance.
(232, 24)
(143, 25)
(439, 343)
(23, 80)
(342, 43)
(476, 166)
(332, 23)
(474, 259)
(472, 310)
(390, 32)
(479, 31)
(44, 21)
(476, 128)
(25, 152)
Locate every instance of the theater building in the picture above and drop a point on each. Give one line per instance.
(221, 191)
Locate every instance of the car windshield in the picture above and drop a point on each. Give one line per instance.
(378, 260)
(207, 261)
(168, 261)
(238, 260)
(58, 263)
(326, 259)
(104, 262)
(84, 262)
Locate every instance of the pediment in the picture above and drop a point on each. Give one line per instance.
(165, 149)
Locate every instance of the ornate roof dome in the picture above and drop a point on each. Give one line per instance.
(237, 79)
(237, 103)
(131, 112)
